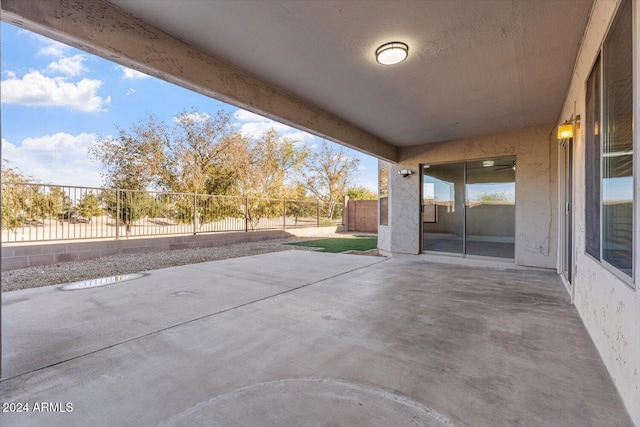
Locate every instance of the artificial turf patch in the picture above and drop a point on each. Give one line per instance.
(341, 244)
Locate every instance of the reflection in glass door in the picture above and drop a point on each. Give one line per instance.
(469, 208)
(443, 208)
(491, 205)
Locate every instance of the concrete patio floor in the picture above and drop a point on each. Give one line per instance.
(302, 338)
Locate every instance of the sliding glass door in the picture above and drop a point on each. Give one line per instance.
(469, 208)
(443, 208)
(490, 208)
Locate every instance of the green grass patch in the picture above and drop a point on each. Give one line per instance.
(341, 244)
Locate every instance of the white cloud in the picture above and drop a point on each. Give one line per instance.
(192, 117)
(248, 116)
(62, 143)
(130, 74)
(299, 137)
(253, 125)
(56, 159)
(49, 47)
(130, 91)
(36, 90)
(71, 66)
(53, 48)
(257, 129)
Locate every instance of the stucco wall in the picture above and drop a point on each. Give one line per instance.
(609, 308)
(535, 150)
(494, 222)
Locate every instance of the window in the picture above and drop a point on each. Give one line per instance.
(383, 186)
(592, 162)
(609, 148)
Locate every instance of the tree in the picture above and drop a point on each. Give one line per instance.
(128, 206)
(89, 206)
(200, 154)
(29, 201)
(197, 156)
(58, 204)
(262, 167)
(492, 197)
(20, 202)
(12, 175)
(298, 204)
(130, 160)
(361, 193)
(327, 173)
(188, 156)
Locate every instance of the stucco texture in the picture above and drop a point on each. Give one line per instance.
(609, 307)
(535, 150)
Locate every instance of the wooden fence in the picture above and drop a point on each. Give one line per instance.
(361, 215)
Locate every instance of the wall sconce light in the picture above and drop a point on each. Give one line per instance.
(565, 130)
(405, 172)
(392, 53)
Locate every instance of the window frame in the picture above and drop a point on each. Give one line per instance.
(383, 196)
(630, 281)
(595, 67)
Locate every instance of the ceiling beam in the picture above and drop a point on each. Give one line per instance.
(102, 29)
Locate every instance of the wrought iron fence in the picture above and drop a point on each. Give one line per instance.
(41, 212)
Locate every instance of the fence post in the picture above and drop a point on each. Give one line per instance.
(117, 213)
(355, 216)
(284, 214)
(195, 213)
(318, 214)
(246, 214)
(345, 211)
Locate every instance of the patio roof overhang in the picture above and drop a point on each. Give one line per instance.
(474, 68)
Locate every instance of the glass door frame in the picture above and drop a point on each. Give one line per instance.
(567, 235)
(464, 222)
(464, 210)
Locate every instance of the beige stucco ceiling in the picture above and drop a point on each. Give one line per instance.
(475, 67)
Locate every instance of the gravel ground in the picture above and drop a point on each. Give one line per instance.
(33, 277)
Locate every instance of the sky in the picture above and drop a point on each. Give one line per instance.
(57, 101)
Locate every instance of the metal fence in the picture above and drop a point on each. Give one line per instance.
(41, 212)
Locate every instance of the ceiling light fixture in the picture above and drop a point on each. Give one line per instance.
(392, 53)
(488, 163)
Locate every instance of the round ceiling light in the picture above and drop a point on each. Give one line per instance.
(392, 53)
